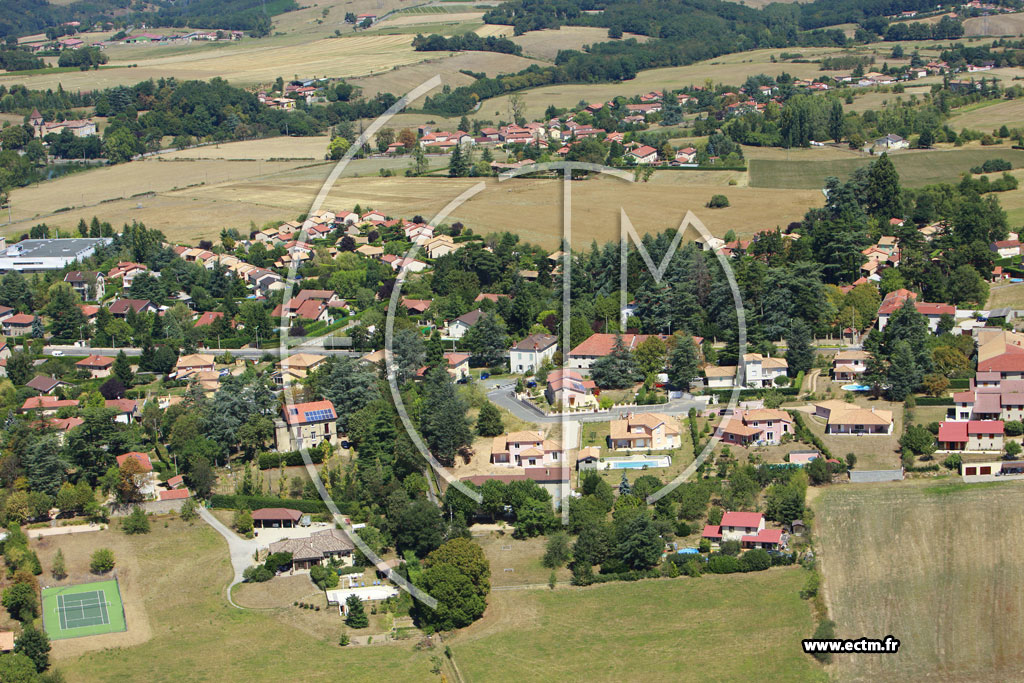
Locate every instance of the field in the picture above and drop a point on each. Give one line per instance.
(992, 115)
(998, 25)
(937, 566)
(189, 627)
(1006, 295)
(313, 147)
(655, 630)
(546, 44)
(916, 168)
(448, 66)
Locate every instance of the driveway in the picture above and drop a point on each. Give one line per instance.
(243, 551)
(503, 396)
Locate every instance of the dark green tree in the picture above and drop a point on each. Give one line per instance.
(123, 369)
(639, 545)
(356, 615)
(488, 422)
(443, 419)
(799, 349)
(683, 362)
(883, 195)
(35, 645)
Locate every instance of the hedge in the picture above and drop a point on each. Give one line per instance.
(724, 395)
(291, 459)
(802, 433)
(934, 400)
(922, 468)
(257, 502)
(959, 384)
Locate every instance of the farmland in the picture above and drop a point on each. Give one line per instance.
(998, 25)
(546, 44)
(916, 168)
(402, 79)
(935, 565)
(992, 115)
(663, 628)
(1001, 295)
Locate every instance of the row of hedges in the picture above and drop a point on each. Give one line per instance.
(291, 459)
(933, 400)
(725, 394)
(922, 468)
(802, 433)
(257, 502)
(961, 383)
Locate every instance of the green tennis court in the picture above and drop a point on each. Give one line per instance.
(87, 609)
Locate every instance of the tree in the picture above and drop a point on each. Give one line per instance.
(324, 577)
(557, 552)
(904, 374)
(650, 356)
(59, 570)
(242, 521)
(443, 420)
(35, 645)
(616, 370)
(337, 147)
(101, 561)
(19, 368)
(488, 340)
(489, 422)
(966, 285)
(458, 166)
(20, 601)
(883, 195)
(128, 490)
(718, 201)
(918, 440)
(45, 467)
(639, 545)
(136, 522)
(683, 362)
(926, 139)
(66, 318)
(799, 350)
(459, 603)
(122, 368)
(418, 527)
(468, 558)
(17, 668)
(355, 616)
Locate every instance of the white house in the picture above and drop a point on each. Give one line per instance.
(526, 449)
(458, 328)
(761, 371)
(530, 353)
(892, 141)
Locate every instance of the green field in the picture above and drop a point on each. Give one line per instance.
(87, 609)
(742, 627)
(935, 564)
(916, 168)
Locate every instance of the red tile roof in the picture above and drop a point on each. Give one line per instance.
(141, 458)
(955, 432)
(305, 413)
(276, 514)
(176, 494)
(94, 361)
(750, 520)
(984, 427)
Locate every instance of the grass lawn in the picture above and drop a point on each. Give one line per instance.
(178, 575)
(879, 452)
(658, 630)
(596, 434)
(937, 565)
(916, 168)
(1006, 295)
(523, 557)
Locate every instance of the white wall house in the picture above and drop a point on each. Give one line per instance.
(530, 353)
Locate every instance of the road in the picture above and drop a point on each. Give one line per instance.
(243, 551)
(502, 395)
(247, 354)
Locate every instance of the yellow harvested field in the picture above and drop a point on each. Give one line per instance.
(493, 30)
(998, 25)
(1009, 112)
(801, 154)
(546, 44)
(246, 63)
(405, 19)
(268, 148)
(402, 79)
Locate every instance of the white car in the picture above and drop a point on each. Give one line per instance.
(58, 352)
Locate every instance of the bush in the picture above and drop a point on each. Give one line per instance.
(723, 564)
(683, 529)
(102, 561)
(755, 560)
(136, 522)
(730, 548)
(257, 574)
(188, 510)
(718, 201)
(1013, 427)
(324, 577)
(826, 631)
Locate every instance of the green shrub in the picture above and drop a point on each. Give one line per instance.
(102, 561)
(136, 522)
(718, 201)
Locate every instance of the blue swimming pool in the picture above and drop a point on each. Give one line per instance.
(636, 464)
(856, 387)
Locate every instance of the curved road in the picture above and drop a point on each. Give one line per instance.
(242, 551)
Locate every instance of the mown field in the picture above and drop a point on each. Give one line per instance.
(448, 66)
(725, 628)
(1001, 295)
(193, 634)
(935, 564)
(999, 25)
(991, 114)
(916, 168)
(546, 44)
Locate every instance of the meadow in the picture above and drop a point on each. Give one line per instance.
(916, 167)
(935, 564)
(989, 115)
(998, 25)
(546, 44)
(656, 630)
(448, 66)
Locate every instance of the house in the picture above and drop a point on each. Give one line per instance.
(644, 431)
(458, 328)
(850, 419)
(687, 155)
(599, 345)
(128, 411)
(17, 325)
(125, 271)
(44, 384)
(439, 246)
(193, 362)
(304, 363)
(274, 518)
(306, 425)
(1006, 248)
(146, 479)
(415, 306)
(120, 308)
(88, 284)
(898, 298)
(763, 426)
(588, 457)
(974, 435)
(567, 389)
(645, 154)
(734, 526)
(1001, 352)
(720, 376)
(317, 548)
(849, 365)
(47, 405)
(529, 354)
(176, 494)
(526, 449)
(762, 371)
(892, 141)
(98, 366)
(176, 482)
(370, 251)
(6, 641)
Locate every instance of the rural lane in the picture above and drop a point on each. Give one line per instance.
(242, 551)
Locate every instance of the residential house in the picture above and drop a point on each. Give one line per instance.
(762, 371)
(457, 329)
(849, 365)
(526, 449)
(44, 384)
(529, 354)
(319, 547)
(599, 345)
(306, 425)
(567, 389)
(892, 141)
(898, 298)
(17, 325)
(720, 376)
(128, 411)
(120, 308)
(274, 518)
(47, 405)
(850, 419)
(1006, 248)
(439, 246)
(764, 426)
(973, 435)
(126, 271)
(644, 431)
(746, 527)
(88, 284)
(645, 154)
(98, 366)
(194, 362)
(415, 306)
(1001, 352)
(146, 479)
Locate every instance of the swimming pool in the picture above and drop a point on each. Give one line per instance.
(637, 464)
(856, 387)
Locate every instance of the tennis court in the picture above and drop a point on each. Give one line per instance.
(84, 610)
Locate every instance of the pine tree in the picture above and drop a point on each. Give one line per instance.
(624, 488)
(457, 166)
(904, 373)
(799, 351)
(59, 570)
(123, 368)
(683, 362)
(356, 617)
(489, 422)
(883, 194)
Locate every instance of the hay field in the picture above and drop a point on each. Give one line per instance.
(494, 30)
(246, 62)
(657, 630)
(935, 564)
(916, 168)
(448, 66)
(999, 25)
(1008, 112)
(546, 44)
(283, 147)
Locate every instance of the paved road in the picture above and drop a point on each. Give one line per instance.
(503, 396)
(242, 550)
(248, 354)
